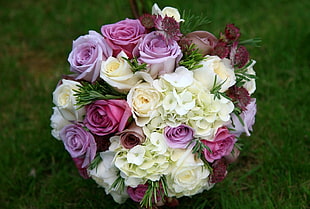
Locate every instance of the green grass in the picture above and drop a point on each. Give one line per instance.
(273, 170)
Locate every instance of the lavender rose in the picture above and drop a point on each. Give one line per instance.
(123, 35)
(104, 117)
(87, 53)
(79, 143)
(203, 40)
(132, 136)
(178, 137)
(248, 117)
(221, 146)
(160, 55)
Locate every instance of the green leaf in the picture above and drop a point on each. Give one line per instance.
(135, 65)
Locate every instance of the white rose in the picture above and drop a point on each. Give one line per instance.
(64, 99)
(57, 123)
(117, 72)
(213, 68)
(105, 174)
(188, 174)
(250, 85)
(144, 101)
(169, 11)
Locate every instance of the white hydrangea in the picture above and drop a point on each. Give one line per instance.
(149, 160)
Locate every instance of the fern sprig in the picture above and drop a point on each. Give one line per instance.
(193, 22)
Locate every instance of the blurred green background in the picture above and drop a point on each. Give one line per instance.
(273, 170)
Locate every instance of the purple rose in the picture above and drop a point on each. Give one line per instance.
(178, 137)
(221, 146)
(132, 136)
(104, 117)
(123, 35)
(79, 143)
(87, 53)
(248, 117)
(160, 55)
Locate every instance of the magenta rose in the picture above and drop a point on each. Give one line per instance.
(104, 117)
(132, 136)
(203, 40)
(222, 145)
(137, 194)
(82, 171)
(79, 143)
(123, 35)
(87, 53)
(178, 137)
(160, 55)
(248, 117)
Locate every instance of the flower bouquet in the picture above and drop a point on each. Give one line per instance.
(154, 110)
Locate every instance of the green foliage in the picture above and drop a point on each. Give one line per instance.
(135, 65)
(157, 190)
(191, 57)
(193, 22)
(87, 93)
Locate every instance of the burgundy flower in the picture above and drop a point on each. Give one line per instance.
(221, 49)
(168, 27)
(82, 171)
(147, 20)
(232, 33)
(240, 96)
(241, 57)
(219, 171)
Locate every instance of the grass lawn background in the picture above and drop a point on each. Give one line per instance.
(273, 170)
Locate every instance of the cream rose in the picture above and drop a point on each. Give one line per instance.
(188, 175)
(144, 101)
(64, 99)
(169, 11)
(117, 72)
(213, 68)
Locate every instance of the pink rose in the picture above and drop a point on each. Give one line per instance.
(248, 117)
(203, 40)
(123, 35)
(160, 55)
(132, 136)
(87, 53)
(104, 117)
(221, 146)
(178, 137)
(79, 143)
